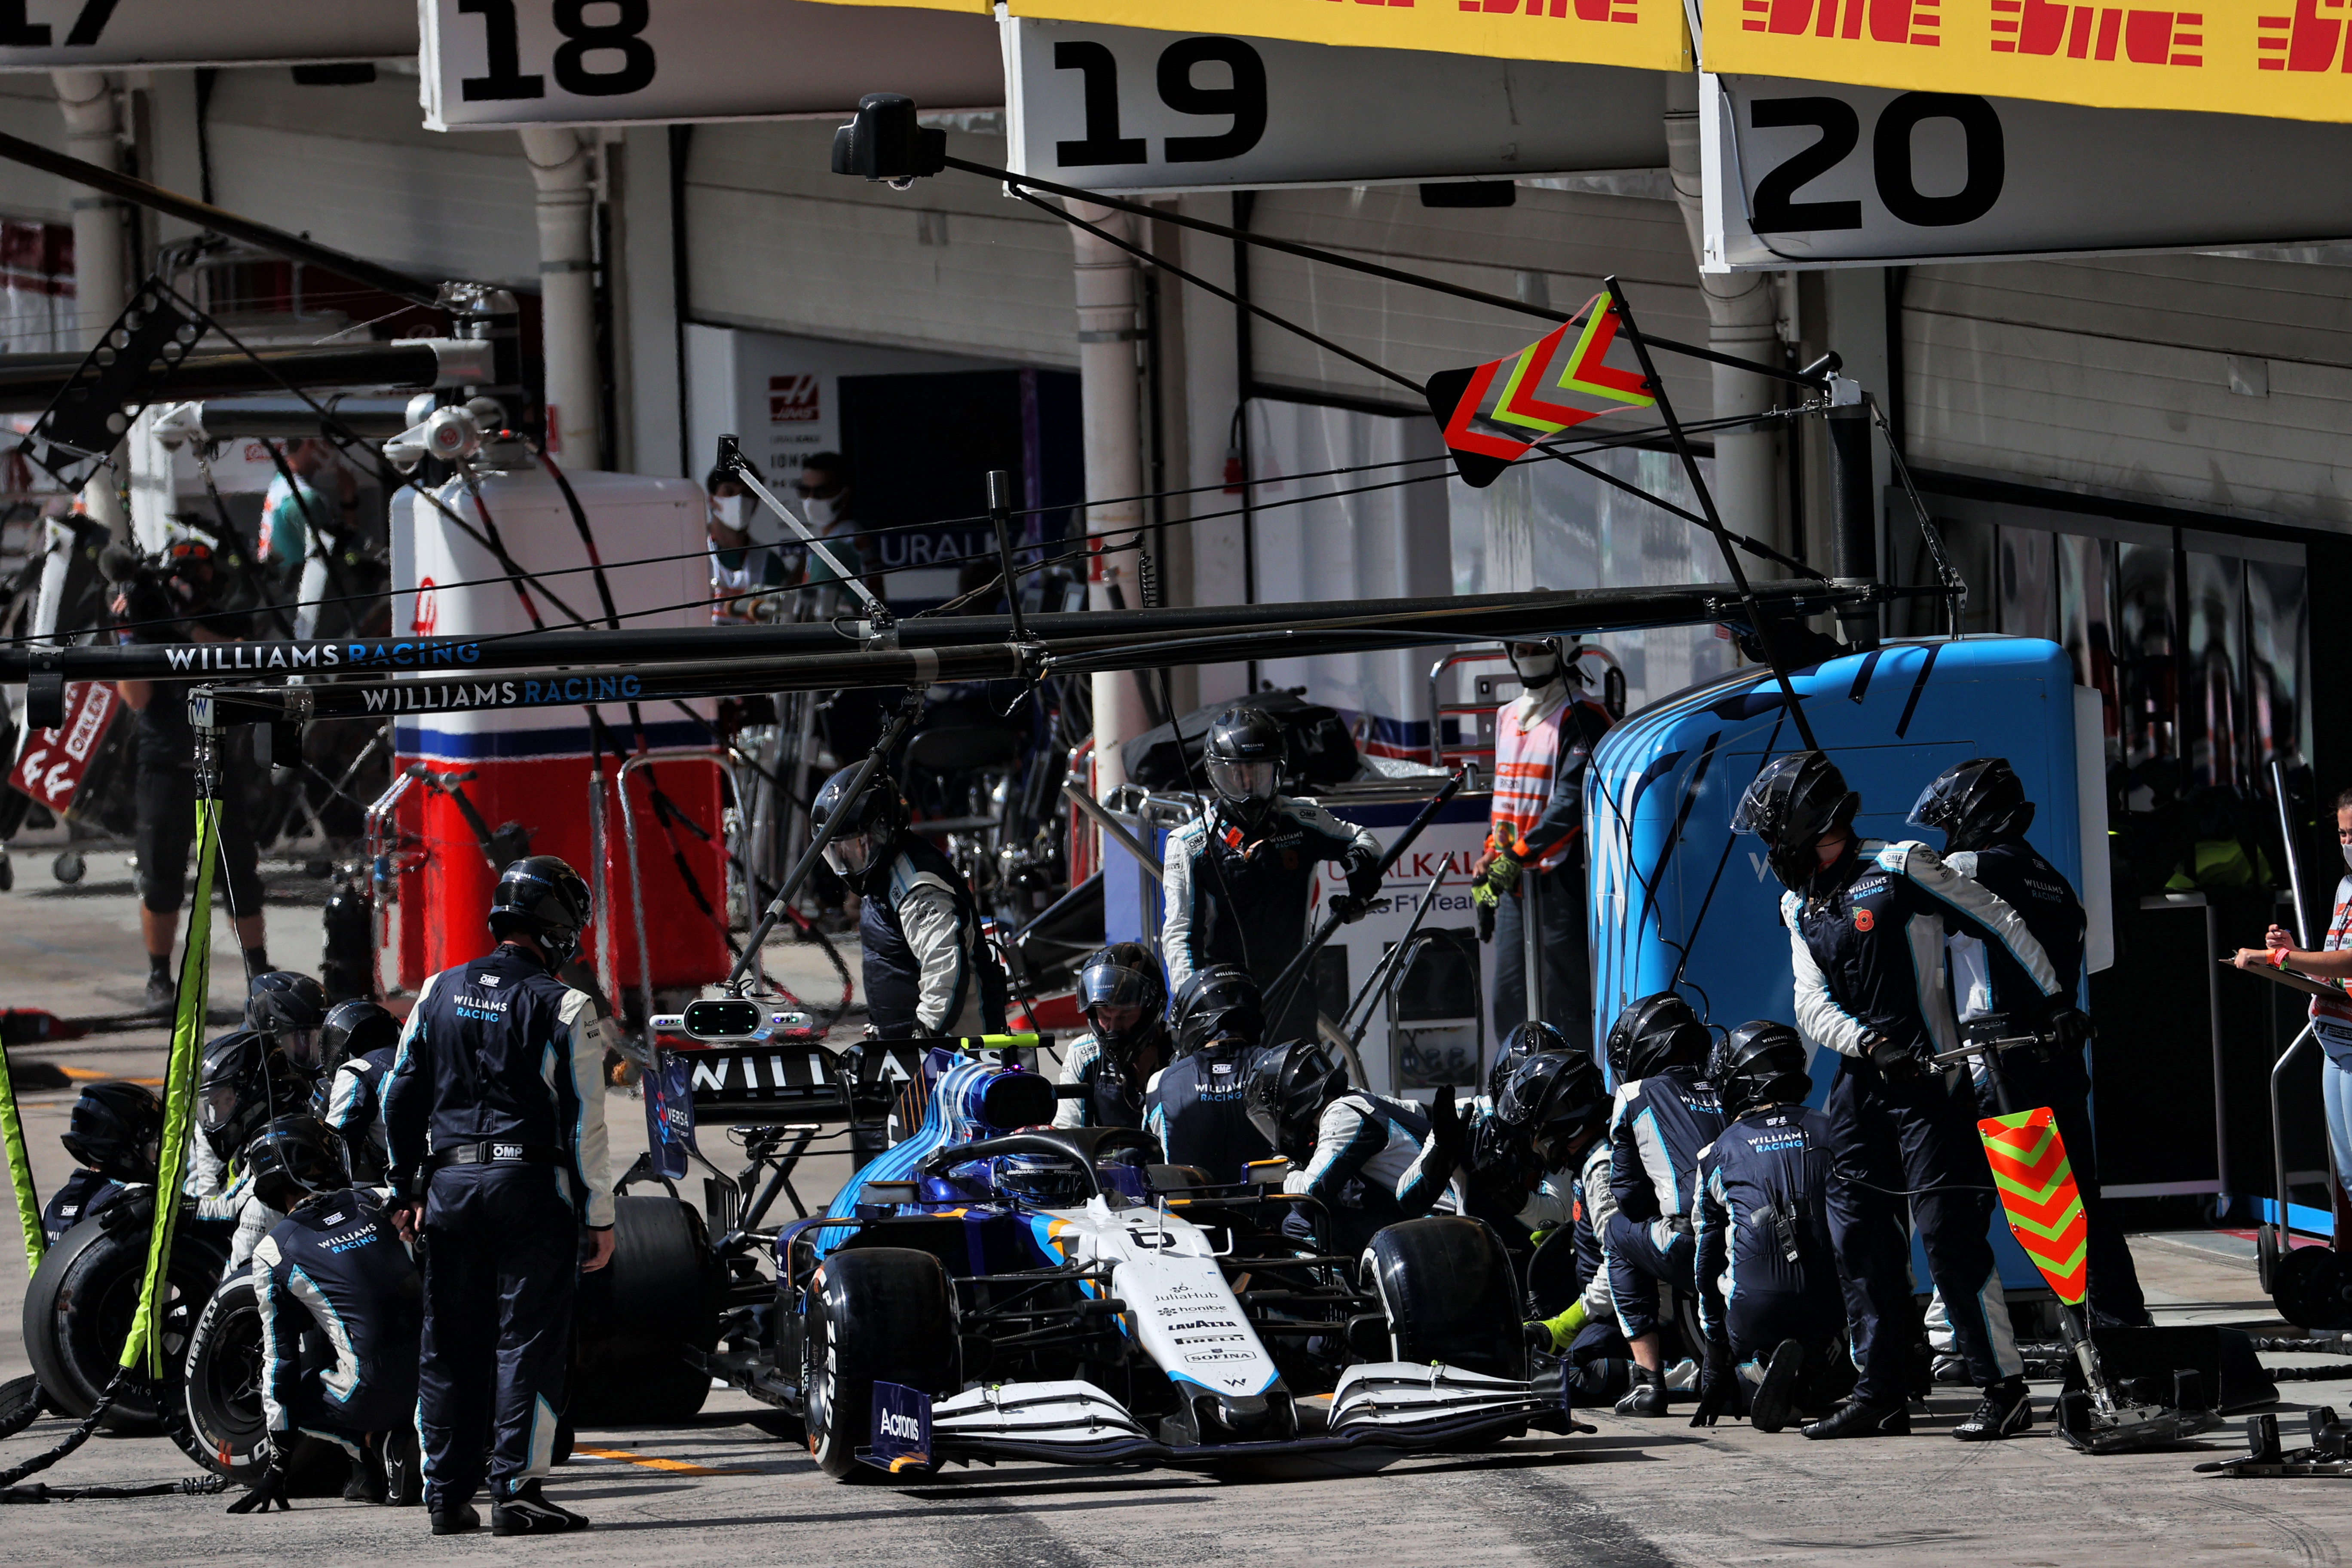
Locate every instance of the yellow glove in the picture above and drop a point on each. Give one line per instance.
(1565, 1327)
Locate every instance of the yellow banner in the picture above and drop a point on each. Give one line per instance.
(1649, 34)
(2290, 58)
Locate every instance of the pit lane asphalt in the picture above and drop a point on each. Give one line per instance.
(719, 1491)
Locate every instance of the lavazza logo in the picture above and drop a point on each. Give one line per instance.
(1204, 1323)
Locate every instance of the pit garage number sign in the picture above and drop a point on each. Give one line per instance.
(1810, 174)
(1131, 109)
(491, 64)
(46, 34)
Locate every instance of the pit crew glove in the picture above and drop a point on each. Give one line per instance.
(1350, 907)
(2071, 1029)
(265, 1490)
(1897, 1063)
(1715, 1381)
(1362, 868)
(1448, 1133)
(1563, 1331)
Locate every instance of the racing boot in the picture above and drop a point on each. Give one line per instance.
(1769, 1407)
(1647, 1396)
(454, 1517)
(366, 1482)
(2003, 1412)
(1852, 1418)
(523, 1511)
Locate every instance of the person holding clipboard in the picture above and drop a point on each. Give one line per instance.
(2323, 975)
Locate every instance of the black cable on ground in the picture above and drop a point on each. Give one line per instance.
(73, 1439)
(24, 1414)
(42, 1492)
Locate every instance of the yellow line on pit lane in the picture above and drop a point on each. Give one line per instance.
(84, 1075)
(673, 1466)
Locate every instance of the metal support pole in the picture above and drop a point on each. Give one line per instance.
(999, 518)
(1854, 512)
(1530, 944)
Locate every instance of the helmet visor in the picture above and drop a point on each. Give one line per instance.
(850, 854)
(1113, 985)
(1242, 784)
(1930, 810)
(216, 1104)
(1753, 815)
(301, 1047)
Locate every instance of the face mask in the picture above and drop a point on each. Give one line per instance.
(735, 511)
(821, 513)
(2348, 857)
(1536, 670)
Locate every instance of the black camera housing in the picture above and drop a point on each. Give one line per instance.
(885, 143)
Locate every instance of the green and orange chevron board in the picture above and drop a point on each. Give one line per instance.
(1492, 413)
(2038, 1193)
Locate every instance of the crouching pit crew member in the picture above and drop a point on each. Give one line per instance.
(1369, 1160)
(494, 1118)
(361, 1037)
(1127, 1040)
(1587, 1331)
(1526, 1134)
(1867, 923)
(1194, 1106)
(1665, 1114)
(1768, 1286)
(115, 1135)
(337, 1264)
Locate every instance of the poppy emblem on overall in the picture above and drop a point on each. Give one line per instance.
(1863, 920)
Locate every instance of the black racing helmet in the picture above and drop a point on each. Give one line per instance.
(1243, 759)
(245, 1083)
(543, 898)
(1655, 1033)
(1554, 1096)
(1123, 974)
(295, 1159)
(1762, 1062)
(290, 1008)
(1975, 802)
(1219, 1003)
(867, 823)
(1287, 1087)
(1529, 1039)
(1791, 804)
(355, 1028)
(116, 1129)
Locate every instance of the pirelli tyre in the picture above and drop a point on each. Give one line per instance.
(646, 1318)
(1450, 1295)
(227, 1430)
(874, 1314)
(80, 1302)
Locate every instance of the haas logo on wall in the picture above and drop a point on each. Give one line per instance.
(792, 400)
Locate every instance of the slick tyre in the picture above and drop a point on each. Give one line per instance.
(78, 1308)
(646, 1320)
(1450, 1295)
(2307, 1284)
(220, 1386)
(874, 1314)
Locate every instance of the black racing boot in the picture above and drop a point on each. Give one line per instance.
(1769, 1407)
(2003, 1412)
(1647, 1396)
(524, 1511)
(1852, 1418)
(454, 1517)
(366, 1482)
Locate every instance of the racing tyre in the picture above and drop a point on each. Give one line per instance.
(2307, 1283)
(221, 1387)
(80, 1304)
(1450, 1294)
(874, 1314)
(646, 1318)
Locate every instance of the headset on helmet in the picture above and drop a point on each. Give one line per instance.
(1538, 670)
(1288, 1086)
(1791, 804)
(1975, 802)
(1123, 974)
(116, 1129)
(545, 898)
(867, 823)
(295, 1159)
(1655, 1033)
(1553, 1096)
(245, 1082)
(355, 1028)
(1219, 1003)
(1529, 1039)
(1759, 1063)
(1243, 759)
(292, 1009)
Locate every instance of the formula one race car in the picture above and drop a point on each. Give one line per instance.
(993, 1288)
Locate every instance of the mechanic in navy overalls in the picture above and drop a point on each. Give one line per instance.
(1368, 1160)
(363, 1036)
(928, 970)
(1981, 809)
(1126, 1043)
(1194, 1107)
(1769, 1300)
(114, 1134)
(337, 1264)
(1236, 878)
(1867, 923)
(494, 1119)
(1665, 1112)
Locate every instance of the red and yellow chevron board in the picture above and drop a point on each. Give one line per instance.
(1492, 413)
(2287, 58)
(2038, 1193)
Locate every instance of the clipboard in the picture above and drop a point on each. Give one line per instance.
(2295, 981)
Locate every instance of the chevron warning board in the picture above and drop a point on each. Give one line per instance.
(1492, 413)
(2037, 1190)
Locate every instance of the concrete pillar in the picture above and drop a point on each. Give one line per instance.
(87, 99)
(560, 165)
(1114, 453)
(1743, 317)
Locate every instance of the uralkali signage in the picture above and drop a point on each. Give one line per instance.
(47, 35)
(1125, 109)
(491, 64)
(1809, 173)
(1646, 33)
(2289, 58)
